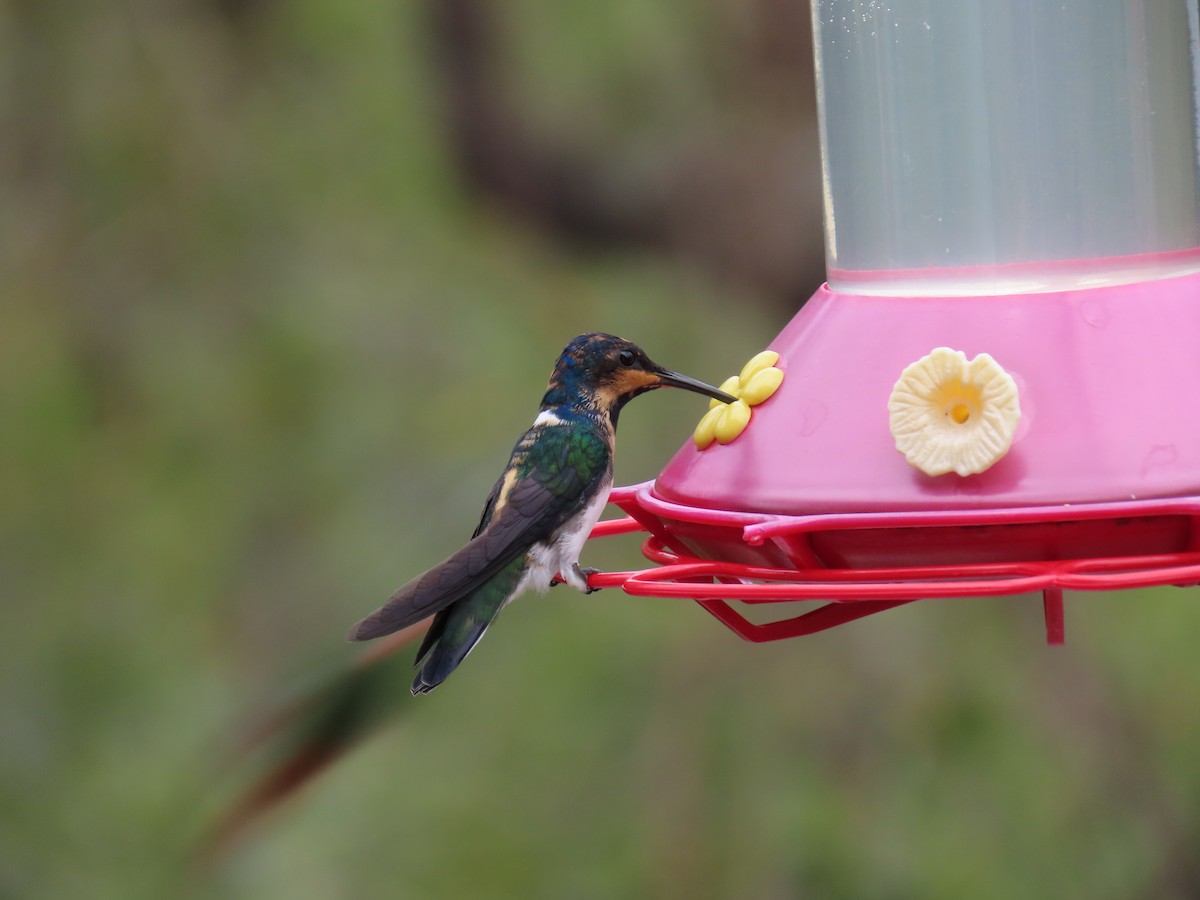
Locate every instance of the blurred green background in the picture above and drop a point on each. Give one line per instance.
(280, 284)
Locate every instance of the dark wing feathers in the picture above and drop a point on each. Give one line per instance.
(529, 511)
(508, 535)
(488, 505)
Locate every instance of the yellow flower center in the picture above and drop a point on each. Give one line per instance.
(957, 400)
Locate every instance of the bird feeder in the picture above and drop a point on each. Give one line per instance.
(994, 392)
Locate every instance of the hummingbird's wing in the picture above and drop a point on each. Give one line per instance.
(488, 506)
(551, 470)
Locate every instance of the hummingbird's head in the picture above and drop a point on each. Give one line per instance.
(602, 371)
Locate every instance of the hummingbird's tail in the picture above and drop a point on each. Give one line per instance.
(457, 628)
(445, 657)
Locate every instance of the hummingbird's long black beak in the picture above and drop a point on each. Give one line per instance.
(674, 379)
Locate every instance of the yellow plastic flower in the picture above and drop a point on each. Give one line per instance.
(951, 414)
(757, 381)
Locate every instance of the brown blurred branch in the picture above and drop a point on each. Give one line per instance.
(740, 198)
(497, 151)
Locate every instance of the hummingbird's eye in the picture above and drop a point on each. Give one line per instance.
(626, 358)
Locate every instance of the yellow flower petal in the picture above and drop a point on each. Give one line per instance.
(706, 430)
(762, 384)
(757, 381)
(948, 414)
(757, 363)
(730, 385)
(735, 418)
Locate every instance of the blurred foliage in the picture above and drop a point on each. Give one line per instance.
(261, 357)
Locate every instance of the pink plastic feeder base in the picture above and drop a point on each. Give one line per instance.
(1106, 377)
(1100, 490)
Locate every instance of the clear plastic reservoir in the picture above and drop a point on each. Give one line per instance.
(1005, 146)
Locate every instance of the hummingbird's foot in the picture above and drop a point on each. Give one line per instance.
(582, 574)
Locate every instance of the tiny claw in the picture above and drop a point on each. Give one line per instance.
(584, 574)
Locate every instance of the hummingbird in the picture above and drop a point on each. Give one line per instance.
(539, 513)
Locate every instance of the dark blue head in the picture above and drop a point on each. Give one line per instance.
(601, 373)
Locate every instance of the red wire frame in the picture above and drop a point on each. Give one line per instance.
(852, 593)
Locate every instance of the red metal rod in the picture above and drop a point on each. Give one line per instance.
(849, 593)
(1052, 606)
